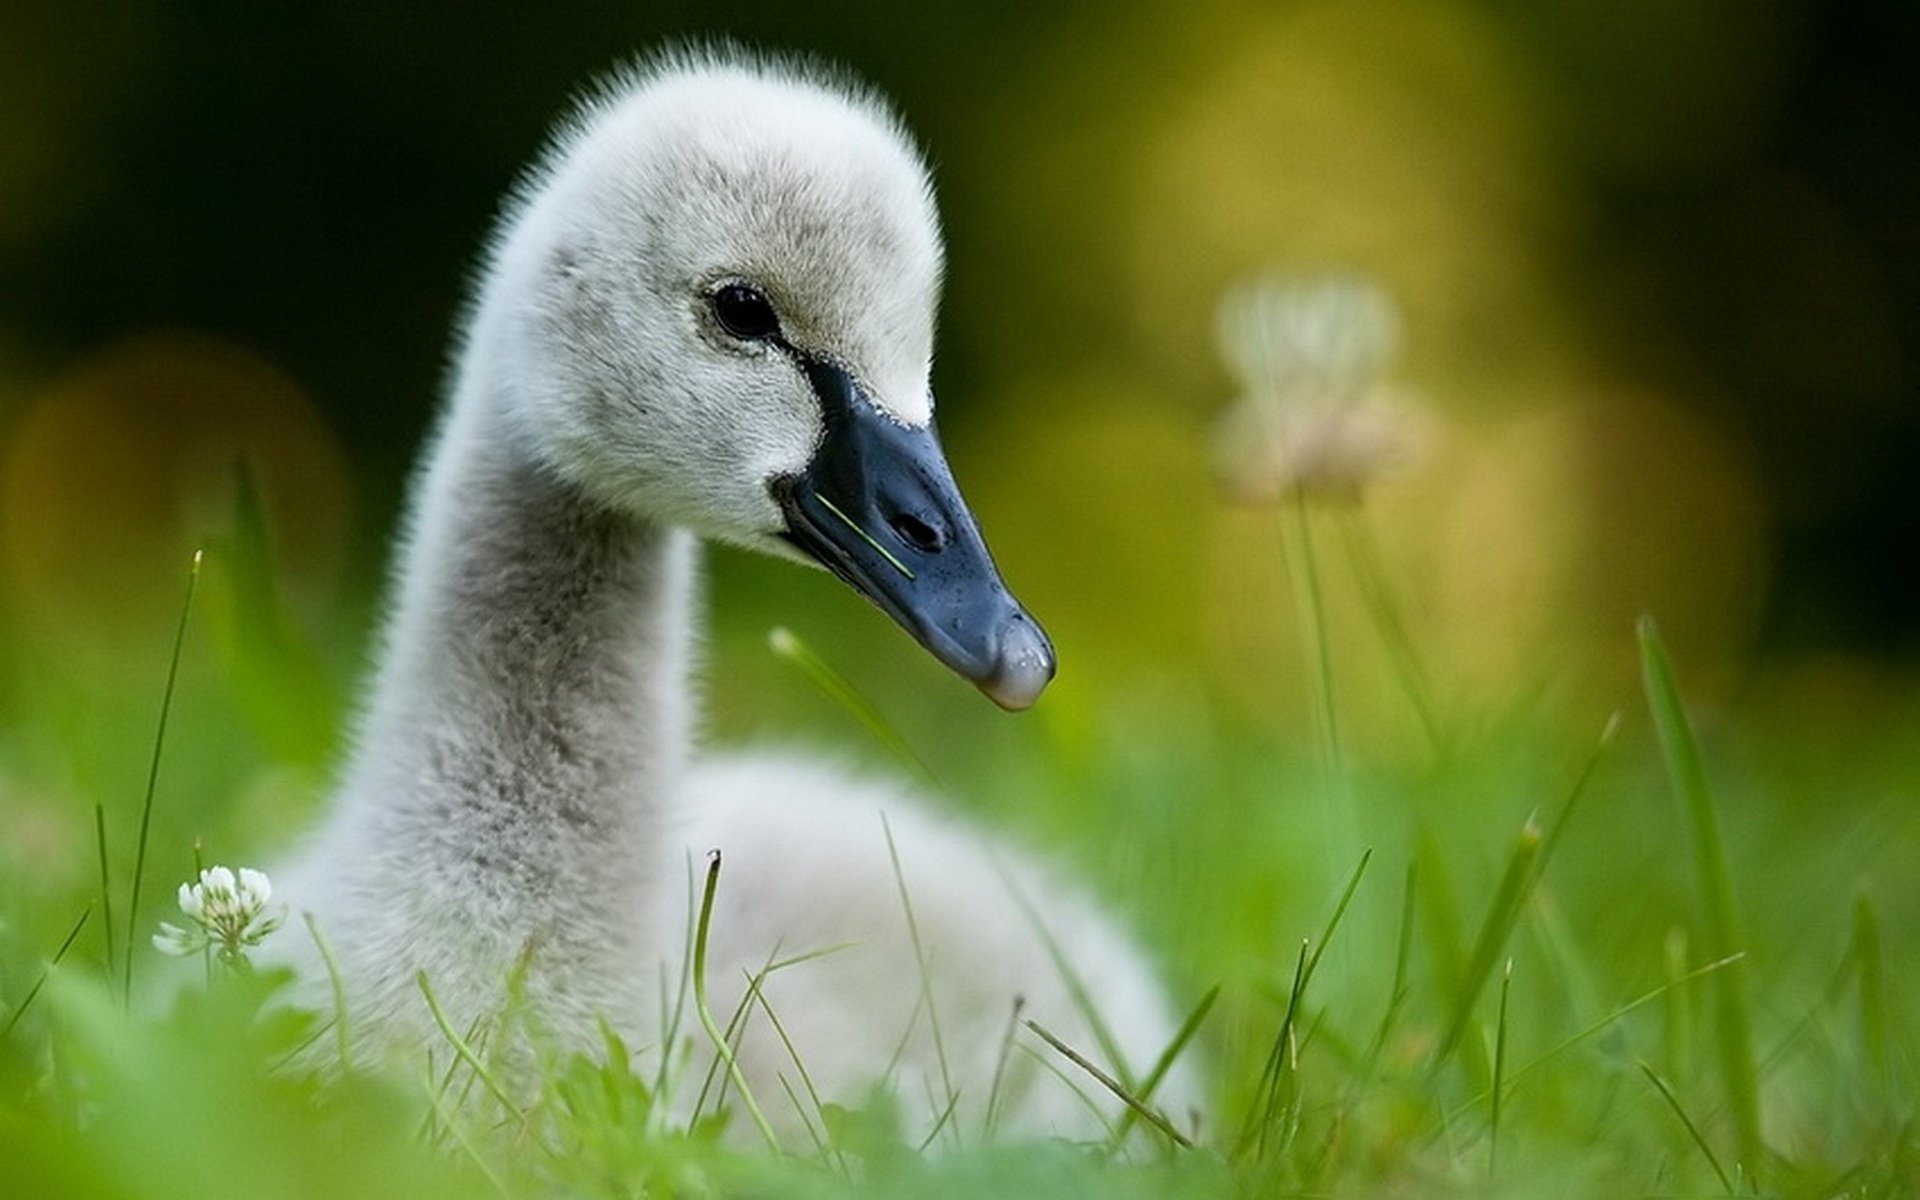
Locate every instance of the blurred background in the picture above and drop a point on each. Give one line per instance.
(1656, 266)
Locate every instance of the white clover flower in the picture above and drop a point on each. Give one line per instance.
(228, 914)
(1316, 417)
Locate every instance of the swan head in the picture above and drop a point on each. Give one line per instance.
(713, 306)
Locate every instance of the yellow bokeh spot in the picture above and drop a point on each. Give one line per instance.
(126, 463)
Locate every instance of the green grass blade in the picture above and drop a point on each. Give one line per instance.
(338, 983)
(1693, 1131)
(436, 1105)
(153, 778)
(1525, 864)
(920, 959)
(827, 1151)
(1502, 915)
(276, 676)
(1133, 1102)
(1339, 911)
(1733, 1027)
(1402, 961)
(1254, 1131)
(1046, 1062)
(1165, 1062)
(705, 1013)
(870, 540)
(1000, 1066)
(674, 1011)
(1280, 1058)
(788, 647)
(1076, 987)
(1363, 555)
(1499, 1073)
(1678, 1010)
(33, 993)
(1608, 732)
(465, 1049)
(1613, 1018)
(106, 885)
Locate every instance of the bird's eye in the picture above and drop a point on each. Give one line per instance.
(745, 312)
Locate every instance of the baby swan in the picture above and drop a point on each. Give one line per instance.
(708, 313)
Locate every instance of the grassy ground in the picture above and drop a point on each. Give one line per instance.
(1657, 955)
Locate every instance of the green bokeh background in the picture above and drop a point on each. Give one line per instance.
(1659, 268)
(1658, 264)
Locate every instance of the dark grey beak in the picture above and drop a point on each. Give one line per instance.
(878, 507)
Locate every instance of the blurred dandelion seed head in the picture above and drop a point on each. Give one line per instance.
(1277, 331)
(1316, 416)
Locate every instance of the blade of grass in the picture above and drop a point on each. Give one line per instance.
(945, 1119)
(436, 1105)
(1282, 1058)
(1279, 1060)
(1614, 1017)
(920, 960)
(674, 1013)
(1047, 1063)
(820, 1145)
(1165, 1062)
(1133, 1103)
(1608, 733)
(339, 986)
(106, 886)
(1693, 1131)
(827, 1151)
(1402, 957)
(1525, 864)
(735, 1031)
(1000, 1064)
(153, 778)
(735, 1028)
(1499, 1073)
(1812, 1019)
(705, 1013)
(1363, 555)
(1076, 987)
(865, 536)
(788, 647)
(1733, 1028)
(26, 1002)
(1446, 943)
(464, 1049)
(1502, 914)
(1678, 1010)
(426, 1133)
(1339, 911)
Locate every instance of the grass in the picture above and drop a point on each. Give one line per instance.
(1594, 1005)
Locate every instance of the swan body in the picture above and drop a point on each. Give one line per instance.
(708, 313)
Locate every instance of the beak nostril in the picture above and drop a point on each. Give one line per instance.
(928, 539)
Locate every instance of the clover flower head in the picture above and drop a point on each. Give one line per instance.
(226, 910)
(1316, 416)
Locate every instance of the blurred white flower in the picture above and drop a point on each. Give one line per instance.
(227, 911)
(1316, 416)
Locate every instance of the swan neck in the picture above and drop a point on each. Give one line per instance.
(537, 651)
